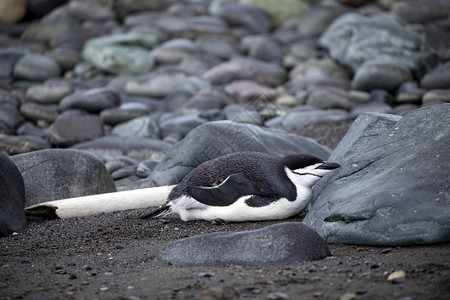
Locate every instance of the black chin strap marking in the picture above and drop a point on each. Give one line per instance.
(308, 174)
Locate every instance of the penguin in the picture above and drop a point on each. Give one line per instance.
(245, 186)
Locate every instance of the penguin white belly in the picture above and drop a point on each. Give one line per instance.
(190, 209)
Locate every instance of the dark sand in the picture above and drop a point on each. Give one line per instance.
(110, 256)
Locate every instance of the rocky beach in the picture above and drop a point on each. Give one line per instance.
(99, 96)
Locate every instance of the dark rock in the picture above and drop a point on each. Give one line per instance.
(179, 126)
(89, 11)
(35, 111)
(124, 113)
(93, 100)
(51, 91)
(265, 73)
(262, 47)
(135, 147)
(69, 129)
(283, 243)
(417, 11)
(12, 197)
(9, 118)
(215, 139)
(146, 127)
(250, 17)
(391, 188)
(438, 78)
(58, 174)
(8, 59)
(119, 162)
(330, 97)
(22, 144)
(434, 97)
(36, 67)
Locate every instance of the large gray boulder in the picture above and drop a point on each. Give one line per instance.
(282, 243)
(12, 197)
(398, 54)
(215, 139)
(55, 174)
(392, 186)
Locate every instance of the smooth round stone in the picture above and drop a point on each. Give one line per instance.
(173, 51)
(206, 100)
(198, 63)
(8, 97)
(246, 69)
(137, 148)
(116, 115)
(36, 67)
(376, 107)
(124, 172)
(29, 128)
(66, 58)
(409, 92)
(156, 85)
(280, 10)
(179, 126)
(434, 97)
(37, 111)
(121, 52)
(317, 19)
(262, 47)
(325, 98)
(71, 129)
(250, 17)
(204, 25)
(140, 127)
(119, 162)
(43, 32)
(438, 78)
(93, 100)
(9, 117)
(245, 90)
(89, 11)
(12, 11)
(380, 74)
(138, 184)
(8, 59)
(220, 46)
(145, 167)
(422, 12)
(22, 143)
(297, 119)
(239, 114)
(51, 91)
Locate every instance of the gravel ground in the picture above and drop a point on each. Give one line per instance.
(110, 256)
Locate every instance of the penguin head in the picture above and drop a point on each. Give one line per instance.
(306, 169)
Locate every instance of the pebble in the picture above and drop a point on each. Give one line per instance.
(277, 296)
(396, 277)
(36, 67)
(222, 293)
(348, 296)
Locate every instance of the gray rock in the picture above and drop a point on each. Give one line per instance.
(124, 113)
(354, 39)
(318, 17)
(221, 46)
(391, 188)
(264, 48)
(70, 129)
(89, 11)
(247, 90)
(119, 162)
(121, 52)
(146, 127)
(215, 139)
(93, 100)
(179, 126)
(36, 67)
(436, 97)
(438, 78)
(416, 11)
(8, 59)
(173, 51)
(12, 197)
(409, 92)
(22, 143)
(250, 17)
(243, 114)
(57, 174)
(51, 91)
(137, 148)
(66, 58)
(9, 118)
(329, 97)
(283, 243)
(35, 111)
(380, 74)
(294, 120)
(156, 85)
(29, 128)
(265, 73)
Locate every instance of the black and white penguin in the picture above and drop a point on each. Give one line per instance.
(246, 186)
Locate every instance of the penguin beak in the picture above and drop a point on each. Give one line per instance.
(328, 165)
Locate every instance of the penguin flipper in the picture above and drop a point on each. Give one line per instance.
(226, 193)
(161, 211)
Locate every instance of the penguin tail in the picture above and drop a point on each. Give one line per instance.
(160, 212)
